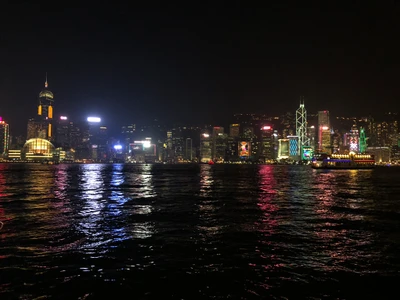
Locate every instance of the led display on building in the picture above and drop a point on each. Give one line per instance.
(293, 145)
(244, 149)
(307, 153)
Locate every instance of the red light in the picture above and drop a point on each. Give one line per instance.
(266, 128)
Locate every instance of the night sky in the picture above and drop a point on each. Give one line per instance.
(197, 62)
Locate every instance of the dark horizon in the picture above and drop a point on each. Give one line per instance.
(198, 64)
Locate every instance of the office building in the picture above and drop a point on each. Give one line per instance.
(4, 138)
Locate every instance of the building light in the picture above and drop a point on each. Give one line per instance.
(94, 119)
(50, 112)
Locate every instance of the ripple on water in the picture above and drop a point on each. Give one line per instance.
(197, 231)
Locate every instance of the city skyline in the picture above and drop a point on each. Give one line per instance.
(201, 64)
(116, 126)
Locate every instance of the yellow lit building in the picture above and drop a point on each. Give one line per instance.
(38, 149)
(43, 124)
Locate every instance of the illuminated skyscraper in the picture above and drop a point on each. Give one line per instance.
(42, 125)
(62, 133)
(301, 125)
(362, 141)
(4, 137)
(267, 144)
(324, 140)
(294, 147)
(323, 118)
(205, 147)
(324, 132)
(219, 143)
(354, 139)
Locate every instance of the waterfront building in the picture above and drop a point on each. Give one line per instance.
(336, 141)
(381, 154)
(294, 147)
(324, 132)
(283, 149)
(362, 141)
(267, 144)
(354, 139)
(62, 133)
(205, 147)
(42, 126)
(45, 112)
(128, 133)
(4, 137)
(301, 125)
(38, 149)
(219, 143)
(189, 155)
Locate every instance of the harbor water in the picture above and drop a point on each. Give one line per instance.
(91, 231)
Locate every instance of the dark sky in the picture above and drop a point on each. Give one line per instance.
(197, 61)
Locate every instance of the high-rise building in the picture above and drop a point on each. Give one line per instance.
(45, 113)
(294, 147)
(218, 143)
(323, 118)
(62, 133)
(267, 144)
(189, 149)
(283, 149)
(205, 147)
(128, 133)
(324, 144)
(362, 141)
(324, 132)
(354, 139)
(234, 130)
(301, 125)
(4, 138)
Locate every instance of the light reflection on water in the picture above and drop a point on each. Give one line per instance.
(267, 231)
(266, 203)
(337, 207)
(143, 191)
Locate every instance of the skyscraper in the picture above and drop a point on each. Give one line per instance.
(323, 118)
(62, 133)
(234, 130)
(324, 132)
(4, 137)
(267, 146)
(301, 125)
(205, 147)
(42, 125)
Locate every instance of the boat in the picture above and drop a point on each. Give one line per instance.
(343, 161)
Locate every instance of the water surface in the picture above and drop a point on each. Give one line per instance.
(198, 232)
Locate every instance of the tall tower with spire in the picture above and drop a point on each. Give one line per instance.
(301, 125)
(45, 112)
